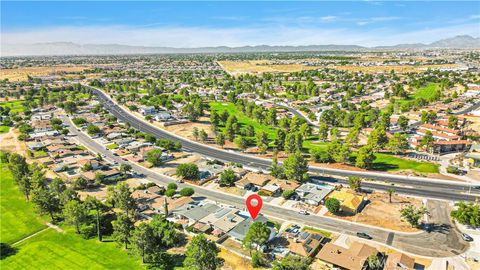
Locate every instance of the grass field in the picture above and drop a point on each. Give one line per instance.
(39, 154)
(18, 218)
(15, 106)
(4, 129)
(112, 146)
(386, 162)
(54, 250)
(242, 118)
(428, 92)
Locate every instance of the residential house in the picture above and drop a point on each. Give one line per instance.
(399, 261)
(354, 258)
(254, 179)
(240, 231)
(146, 110)
(313, 194)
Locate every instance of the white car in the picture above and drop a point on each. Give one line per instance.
(303, 212)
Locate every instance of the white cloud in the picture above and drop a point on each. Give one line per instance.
(329, 18)
(189, 37)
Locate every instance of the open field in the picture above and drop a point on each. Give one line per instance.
(21, 74)
(18, 218)
(396, 68)
(54, 250)
(15, 106)
(386, 162)
(260, 66)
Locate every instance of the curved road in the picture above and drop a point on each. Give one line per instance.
(443, 241)
(428, 187)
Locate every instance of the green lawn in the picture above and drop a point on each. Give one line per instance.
(428, 92)
(15, 106)
(112, 146)
(386, 162)
(39, 154)
(18, 218)
(54, 250)
(243, 119)
(4, 129)
(319, 231)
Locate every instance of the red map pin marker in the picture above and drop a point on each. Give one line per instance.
(254, 209)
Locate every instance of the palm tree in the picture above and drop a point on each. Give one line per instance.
(390, 192)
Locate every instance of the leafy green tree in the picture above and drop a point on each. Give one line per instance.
(203, 135)
(188, 171)
(220, 139)
(122, 198)
(378, 138)
(365, 157)
(92, 129)
(262, 141)
(276, 170)
(241, 142)
(333, 205)
(467, 213)
(296, 167)
(75, 213)
(398, 143)
(202, 254)
(292, 262)
(287, 194)
(195, 133)
(227, 178)
(46, 201)
(280, 140)
(186, 192)
(402, 122)
(355, 183)
(143, 239)
(155, 157)
(257, 235)
(412, 214)
(125, 168)
(94, 204)
(323, 131)
(427, 141)
(122, 229)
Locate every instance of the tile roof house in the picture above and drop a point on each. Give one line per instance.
(256, 179)
(240, 231)
(399, 261)
(354, 258)
(308, 244)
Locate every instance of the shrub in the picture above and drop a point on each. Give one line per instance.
(333, 205)
(172, 186)
(453, 170)
(263, 193)
(170, 192)
(186, 192)
(287, 194)
(227, 178)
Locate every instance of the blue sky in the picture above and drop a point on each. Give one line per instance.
(195, 24)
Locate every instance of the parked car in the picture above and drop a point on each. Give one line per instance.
(467, 237)
(363, 235)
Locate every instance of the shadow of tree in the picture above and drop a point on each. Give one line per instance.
(6, 251)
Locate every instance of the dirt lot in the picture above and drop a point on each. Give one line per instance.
(9, 142)
(186, 129)
(20, 74)
(260, 66)
(396, 68)
(379, 212)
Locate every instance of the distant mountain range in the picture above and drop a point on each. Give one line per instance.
(69, 48)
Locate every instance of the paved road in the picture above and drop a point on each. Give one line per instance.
(433, 188)
(426, 244)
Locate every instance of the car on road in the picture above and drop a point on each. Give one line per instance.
(467, 237)
(363, 235)
(303, 212)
